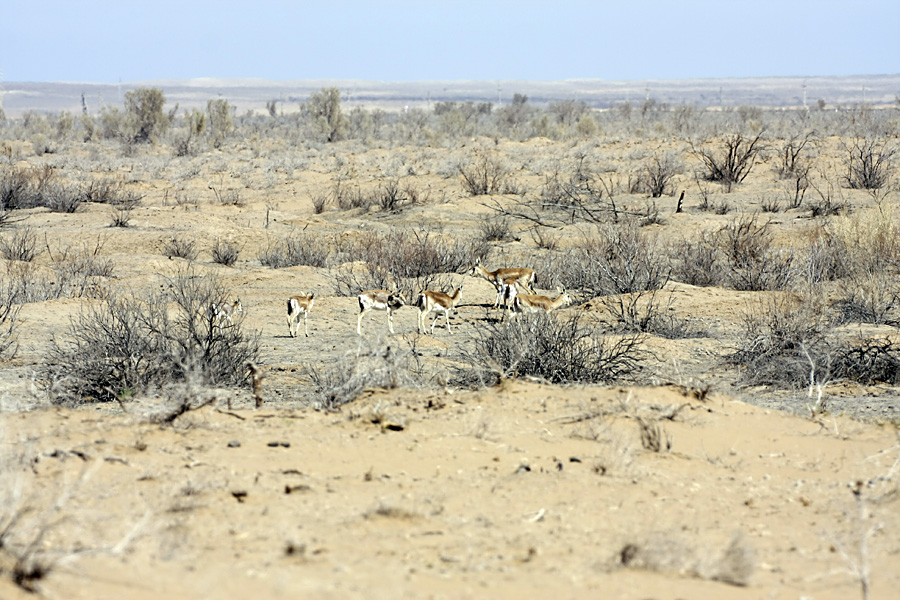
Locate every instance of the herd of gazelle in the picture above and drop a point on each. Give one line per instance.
(507, 282)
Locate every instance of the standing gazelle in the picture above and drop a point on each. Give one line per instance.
(222, 312)
(297, 306)
(438, 302)
(523, 303)
(378, 300)
(526, 278)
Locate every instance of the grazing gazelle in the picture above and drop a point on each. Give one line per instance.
(532, 303)
(222, 312)
(520, 276)
(378, 300)
(438, 302)
(296, 306)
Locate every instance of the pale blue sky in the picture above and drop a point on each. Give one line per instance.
(111, 41)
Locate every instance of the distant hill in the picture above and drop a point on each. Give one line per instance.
(253, 94)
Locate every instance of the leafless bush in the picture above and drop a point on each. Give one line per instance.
(483, 174)
(494, 228)
(122, 209)
(126, 344)
(698, 261)
(62, 199)
(319, 201)
(179, 246)
(371, 365)
(556, 350)
(617, 259)
(825, 259)
(10, 305)
(732, 160)
(667, 324)
(770, 205)
(406, 261)
(390, 197)
(225, 253)
(779, 339)
(23, 187)
(622, 266)
(869, 297)
(347, 197)
(300, 248)
(869, 163)
(751, 263)
(20, 245)
(868, 361)
(792, 158)
(657, 174)
(79, 271)
(650, 214)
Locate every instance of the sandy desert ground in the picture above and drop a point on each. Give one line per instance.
(680, 483)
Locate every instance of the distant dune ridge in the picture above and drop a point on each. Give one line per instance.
(252, 94)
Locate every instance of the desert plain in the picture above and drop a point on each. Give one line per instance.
(419, 465)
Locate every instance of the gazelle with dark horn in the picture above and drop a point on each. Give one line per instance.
(385, 300)
(523, 277)
(437, 302)
(298, 306)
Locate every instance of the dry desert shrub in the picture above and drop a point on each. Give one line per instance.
(406, 261)
(495, 228)
(180, 246)
(740, 255)
(124, 344)
(10, 305)
(620, 265)
(869, 162)
(780, 336)
(751, 262)
(300, 248)
(373, 364)
(225, 252)
(557, 350)
(657, 174)
(484, 173)
(729, 161)
(20, 245)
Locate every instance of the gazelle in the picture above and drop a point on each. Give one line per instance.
(438, 302)
(222, 312)
(521, 276)
(378, 300)
(297, 306)
(532, 303)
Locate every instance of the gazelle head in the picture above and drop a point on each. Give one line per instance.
(395, 301)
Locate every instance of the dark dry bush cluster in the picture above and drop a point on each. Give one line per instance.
(741, 255)
(225, 252)
(372, 365)
(405, 261)
(127, 344)
(180, 246)
(32, 187)
(556, 350)
(730, 160)
(297, 249)
(791, 342)
(484, 173)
